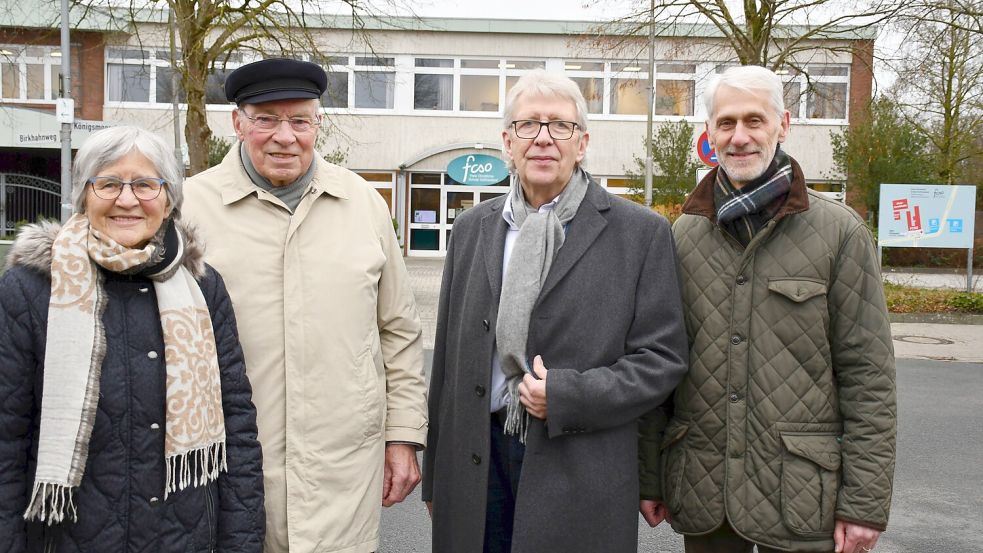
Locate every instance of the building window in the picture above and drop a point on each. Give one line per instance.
(128, 83)
(374, 82)
(479, 93)
(384, 183)
(593, 91)
(827, 101)
(336, 93)
(675, 89)
(629, 95)
(215, 87)
(589, 76)
(433, 84)
(820, 93)
(145, 76)
(10, 80)
(165, 87)
(621, 87)
(674, 97)
(793, 97)
(29, 73)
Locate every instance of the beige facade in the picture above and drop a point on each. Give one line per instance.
(407, 99)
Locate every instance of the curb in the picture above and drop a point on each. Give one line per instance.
(937, 318)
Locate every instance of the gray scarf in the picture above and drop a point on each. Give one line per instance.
(289, 194)
(540, 237)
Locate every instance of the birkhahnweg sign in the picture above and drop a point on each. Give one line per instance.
(30, 128)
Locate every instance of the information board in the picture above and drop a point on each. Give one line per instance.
(926, 216)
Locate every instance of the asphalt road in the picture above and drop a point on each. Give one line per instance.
(938, 486)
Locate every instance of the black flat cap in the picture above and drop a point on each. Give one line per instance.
(275, 79)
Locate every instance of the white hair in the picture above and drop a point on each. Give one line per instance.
(551, 85)
(105, 147)
(747, 78)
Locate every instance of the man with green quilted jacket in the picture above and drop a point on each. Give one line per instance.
(782, 434)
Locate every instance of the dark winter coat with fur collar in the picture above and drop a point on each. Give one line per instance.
(121, 506)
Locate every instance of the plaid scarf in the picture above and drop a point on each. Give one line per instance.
(194, 441)
(743, 212)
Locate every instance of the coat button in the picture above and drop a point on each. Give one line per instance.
(152, 354)
(476, 459)
(153, 500)
(485, 324)
(479, 391)
(734, 397)
(735, 339)
(741, 279)
(144, 290)
(155, 426)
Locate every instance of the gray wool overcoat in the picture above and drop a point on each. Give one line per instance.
(609, 325)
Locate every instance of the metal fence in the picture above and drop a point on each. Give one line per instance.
(26, 198)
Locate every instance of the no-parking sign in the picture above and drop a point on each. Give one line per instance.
(703, 149)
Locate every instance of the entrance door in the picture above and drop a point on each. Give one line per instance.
(436, 202)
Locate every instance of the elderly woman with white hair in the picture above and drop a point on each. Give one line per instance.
(126, 420)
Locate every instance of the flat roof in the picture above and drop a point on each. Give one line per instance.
(46, 14)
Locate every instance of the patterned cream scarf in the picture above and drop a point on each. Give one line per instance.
(194, 443)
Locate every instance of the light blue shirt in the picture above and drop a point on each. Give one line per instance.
(499, 395)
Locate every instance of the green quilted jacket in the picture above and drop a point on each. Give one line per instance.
(786, 419)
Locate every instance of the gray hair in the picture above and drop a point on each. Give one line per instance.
(541, 83)
(105, 147)
(747, 78)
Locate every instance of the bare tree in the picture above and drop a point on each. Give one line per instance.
(210, 32)
(940, 82)
(969, 13)
(769, 33)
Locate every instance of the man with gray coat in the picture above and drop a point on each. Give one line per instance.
(782, 434)
(559, 325)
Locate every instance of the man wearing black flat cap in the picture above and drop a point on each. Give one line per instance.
(327, 319)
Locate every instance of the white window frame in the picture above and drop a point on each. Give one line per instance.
(18, 54)
(153, 61)
(805, 90)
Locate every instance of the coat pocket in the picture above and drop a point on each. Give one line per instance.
(673, 463)
(370, 370)
(810, 481)
(797, 289)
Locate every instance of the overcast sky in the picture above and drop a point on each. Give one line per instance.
(521, 9)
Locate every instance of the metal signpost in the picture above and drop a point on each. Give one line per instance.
(65, 112)
(928, 216)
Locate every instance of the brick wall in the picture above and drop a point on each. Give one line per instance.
(861, 89)
(88, 57)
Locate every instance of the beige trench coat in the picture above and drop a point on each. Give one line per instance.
(332, 341)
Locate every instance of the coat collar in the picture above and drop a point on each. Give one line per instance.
(32, 248)
(241, 185)
(582, 231)
(700, 201)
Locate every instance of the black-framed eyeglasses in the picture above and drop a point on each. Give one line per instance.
(270, 122)
(109, 188)
(530, 128)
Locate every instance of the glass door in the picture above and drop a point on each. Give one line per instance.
(425, 217)
(436, 201)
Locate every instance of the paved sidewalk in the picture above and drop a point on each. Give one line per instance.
(943, 342)
(935, 279)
